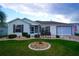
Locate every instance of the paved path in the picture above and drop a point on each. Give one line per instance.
(70, 38)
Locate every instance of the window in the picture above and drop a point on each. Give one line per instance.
(42, 31)
(18, 28)
(48, 28)
(31, 29)
(36, 29)
(45, 30)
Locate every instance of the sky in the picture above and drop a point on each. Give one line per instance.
(60, 12)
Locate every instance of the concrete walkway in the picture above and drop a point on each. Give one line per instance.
(72, 38)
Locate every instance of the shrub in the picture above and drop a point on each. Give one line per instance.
(57, 36)
(12, 36)
(28, 36)
(3, 36)
(37, 36)
(25, 35)
(76, 34)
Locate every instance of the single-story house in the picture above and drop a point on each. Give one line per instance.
(17, 26)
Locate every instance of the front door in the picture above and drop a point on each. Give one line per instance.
(45, 30)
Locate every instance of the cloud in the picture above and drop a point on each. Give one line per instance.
(25, 8)
(69, 10)
(64, 8)
(44, 11)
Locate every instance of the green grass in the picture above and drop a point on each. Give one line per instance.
(20, 48)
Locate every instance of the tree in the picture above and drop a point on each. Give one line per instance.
(2, 18)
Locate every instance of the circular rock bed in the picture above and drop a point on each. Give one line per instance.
(39, 46)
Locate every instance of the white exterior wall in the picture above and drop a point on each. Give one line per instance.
(27, 27)
(53, 30)
(18, 22)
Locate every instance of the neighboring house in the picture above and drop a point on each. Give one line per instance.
(18, 26)
(3, 30)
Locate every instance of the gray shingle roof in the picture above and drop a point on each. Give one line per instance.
(54, 23)
(49, 22)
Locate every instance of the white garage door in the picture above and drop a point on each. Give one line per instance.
(64, 30)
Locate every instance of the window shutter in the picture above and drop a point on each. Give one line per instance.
(22, 28)
(14, 28)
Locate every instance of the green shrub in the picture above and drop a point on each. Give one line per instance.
(37, 36)
(76, 34)
(1, 36)
(25, 34)
(57, 36)
(12, 36)
(28, 36)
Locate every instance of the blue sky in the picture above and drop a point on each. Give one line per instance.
(60, 12)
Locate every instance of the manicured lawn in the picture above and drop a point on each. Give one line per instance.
(20, 48)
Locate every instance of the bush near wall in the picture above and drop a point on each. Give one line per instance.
(57, 36)
(37, 36)
(2, 36)
(12, 36)
(76, 34)
(25, 34)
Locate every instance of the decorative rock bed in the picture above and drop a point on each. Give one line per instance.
(39, 46)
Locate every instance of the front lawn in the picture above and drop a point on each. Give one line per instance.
(20, 48)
